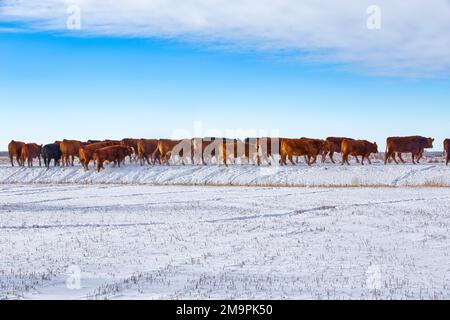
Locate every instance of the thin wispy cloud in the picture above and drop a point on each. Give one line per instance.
(414, 38)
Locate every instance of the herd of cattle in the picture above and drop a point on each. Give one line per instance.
(198, 150)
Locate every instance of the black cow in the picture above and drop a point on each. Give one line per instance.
(49, 152)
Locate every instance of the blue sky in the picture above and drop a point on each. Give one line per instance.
(56, 85)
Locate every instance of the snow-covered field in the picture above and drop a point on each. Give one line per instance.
(215, 232)
(318, 175)
(143, 241)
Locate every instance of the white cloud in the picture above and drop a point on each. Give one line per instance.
(414, 39)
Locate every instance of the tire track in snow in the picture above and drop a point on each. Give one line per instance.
(94, 225)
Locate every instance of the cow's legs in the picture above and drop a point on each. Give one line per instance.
(12, 160)
(331, 156)
(386, 157)
(419, 156)
(283, 159)
(393, 157)
(291, 159)
(401, 158)
(281, 162)
(345, 159)
(19, 161)
(412, 157)
(223, 158)
(324, 156)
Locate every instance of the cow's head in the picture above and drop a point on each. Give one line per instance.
(374, 147)
(325, 146)
(129, 151)
(430, 143)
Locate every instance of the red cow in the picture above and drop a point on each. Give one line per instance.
(145, 150)
(114, 154)
(357, 148)
(31, 151)
(15, 150)
(414, 145)
(447, 151)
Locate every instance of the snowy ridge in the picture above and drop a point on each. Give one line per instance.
(437, 175)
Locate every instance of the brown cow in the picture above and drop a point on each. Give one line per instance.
(414, 145)
(86, 153)
(113, 153)
(233, 149)
(325, 147)
(31, 151)
(145, 150)
(357, 148)
(447, 151)
(167, 148)
(15, 150)
(70, 149)
(299, 147)
(334, 146)
(132, 143)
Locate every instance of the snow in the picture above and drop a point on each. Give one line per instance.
(180, 242)
(318, 175)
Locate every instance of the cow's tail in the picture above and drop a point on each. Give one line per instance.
(158, 149)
